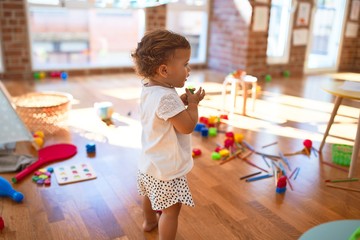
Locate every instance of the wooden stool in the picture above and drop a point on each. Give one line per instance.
(242, 79)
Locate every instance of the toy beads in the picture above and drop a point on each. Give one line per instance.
(43, 176)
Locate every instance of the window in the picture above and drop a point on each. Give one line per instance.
(78, 36)
(279, 31)
(190, 18)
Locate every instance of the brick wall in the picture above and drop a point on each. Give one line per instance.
(15, 41)
(234, 45)
(228, 37)
(350, 54)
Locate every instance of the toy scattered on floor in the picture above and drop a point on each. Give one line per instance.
(341, 154)
(212, 132)
(215, 156)
(74, 173)
(196, 152)
(39, 138)
(270, 144)
(342, 180)
(307, 150)
(286, 73)
(296, 172)
(90, 148)
(6, 190)
(2, 224)
(208, 126)
(204, 132)
(268, 78)
(64, 76)
(286, 161)
(104, 110)
(39, 75)
(250, 175)
(238, 73)
(259, 177)
(281, 185)
(47, 155)
(55, 74)
(43, 176)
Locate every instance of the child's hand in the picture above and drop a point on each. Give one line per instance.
(195, 97)
(183, 98)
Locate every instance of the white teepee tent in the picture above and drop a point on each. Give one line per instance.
(12, 128)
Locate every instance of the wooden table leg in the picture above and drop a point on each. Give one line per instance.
(333, 114)
(355, 152)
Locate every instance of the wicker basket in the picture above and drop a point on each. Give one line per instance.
(44, 111)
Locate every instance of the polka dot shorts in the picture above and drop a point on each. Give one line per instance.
(163, 194)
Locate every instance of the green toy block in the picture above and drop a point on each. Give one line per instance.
(215, 156)
(212, 132)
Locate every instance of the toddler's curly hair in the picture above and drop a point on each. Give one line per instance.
(155, 48)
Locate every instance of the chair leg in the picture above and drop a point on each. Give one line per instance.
(253, 95)
(245, 95)
(233, 95)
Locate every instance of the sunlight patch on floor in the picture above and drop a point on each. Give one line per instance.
(124, 131)
(125, 93)
(288, 116)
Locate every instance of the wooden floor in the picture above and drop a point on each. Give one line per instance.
(287, 111)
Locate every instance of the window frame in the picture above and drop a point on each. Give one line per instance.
(285, 57)
(203, 41)
(89, 65)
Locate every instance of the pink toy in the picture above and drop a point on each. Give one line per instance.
(224, 117)
(6, 190)
(229, 142)
(229, 134)
(197, 151)
(307, 143)
(281, 182)
(204, 120)
(47, 155)
(2, 224)
(217, 149)
(281, 185)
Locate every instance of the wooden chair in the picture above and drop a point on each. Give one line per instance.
(236, 79)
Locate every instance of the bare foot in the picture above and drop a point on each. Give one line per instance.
(149, 226)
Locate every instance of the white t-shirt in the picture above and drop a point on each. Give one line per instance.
(166, 153)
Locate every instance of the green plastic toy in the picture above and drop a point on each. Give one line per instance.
(355, 235)
(341, 154)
